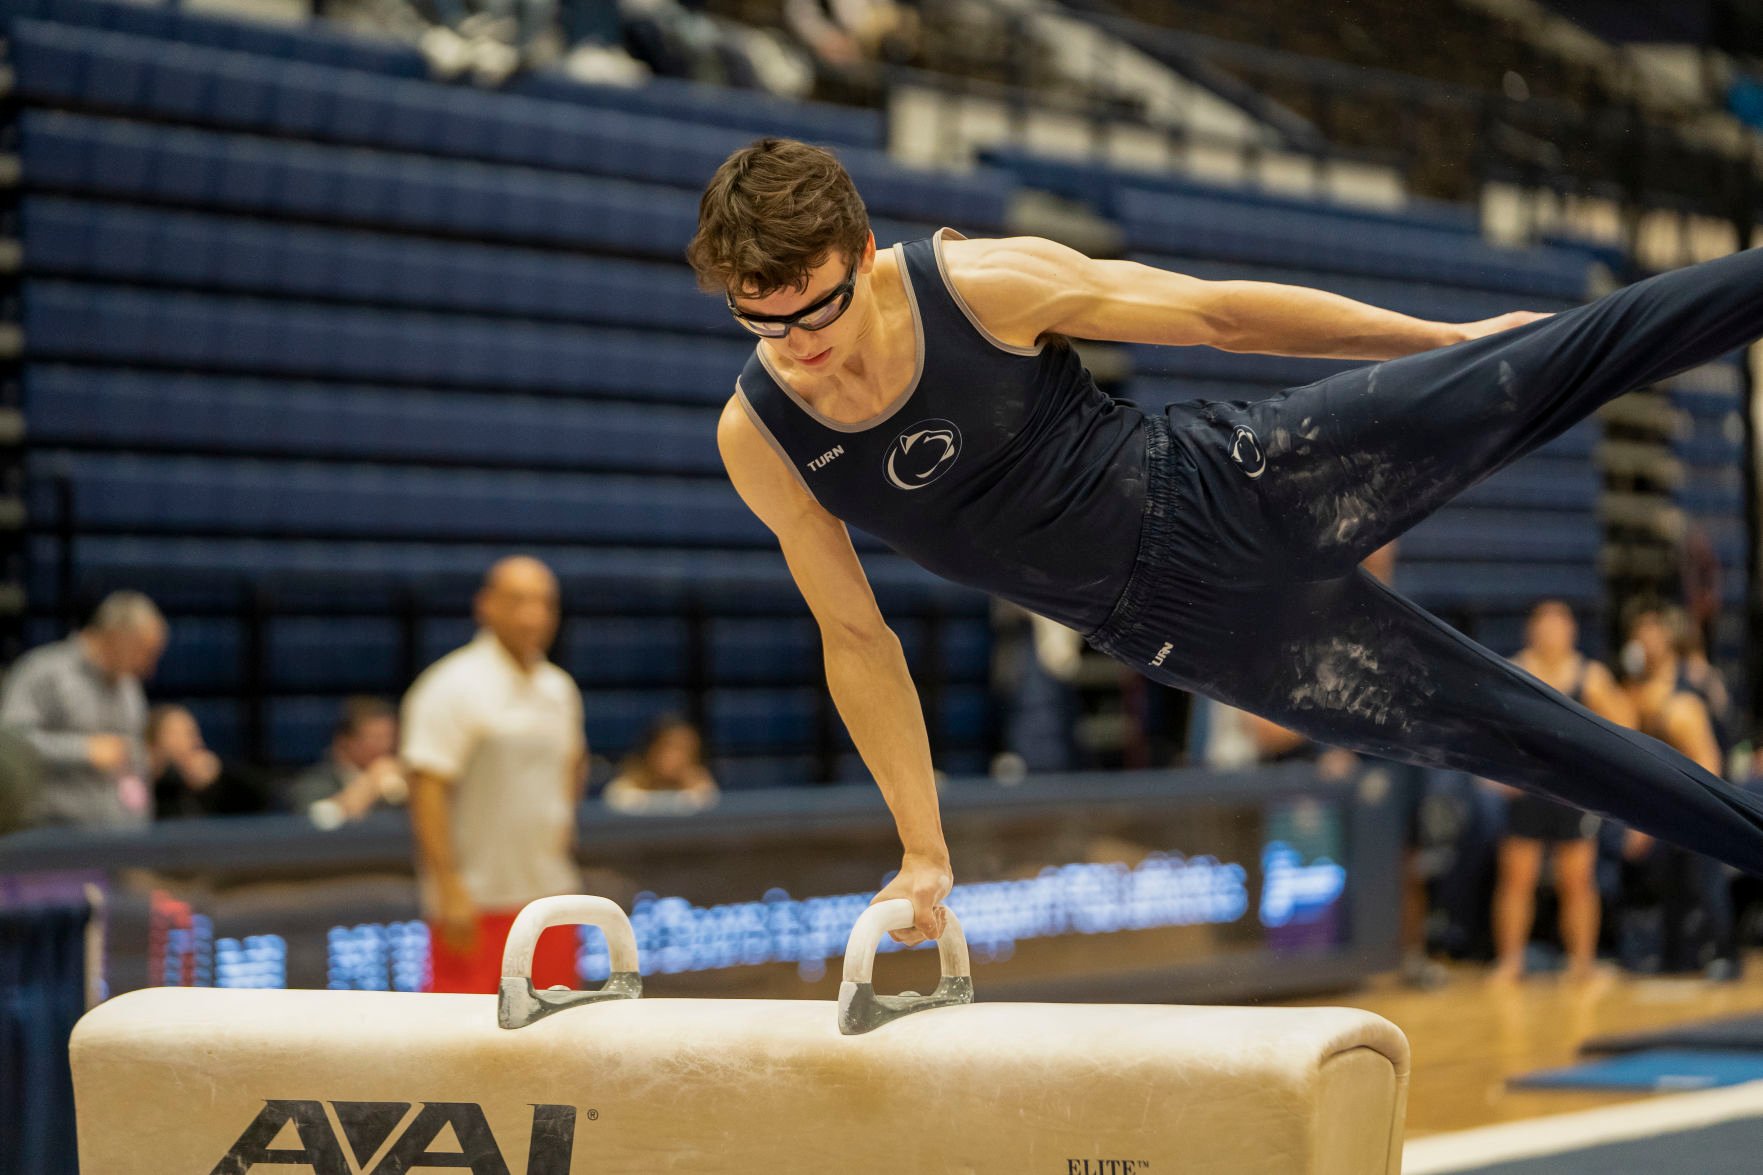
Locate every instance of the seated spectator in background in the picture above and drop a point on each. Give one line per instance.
(496, 758)
(665, 775)
(360, 770)
(1691, 893)
(189, 780)
(1534, 824)
(80, 705)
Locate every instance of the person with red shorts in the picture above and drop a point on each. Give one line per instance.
(493, 743)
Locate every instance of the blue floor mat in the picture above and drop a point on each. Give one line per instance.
(1673, 1070)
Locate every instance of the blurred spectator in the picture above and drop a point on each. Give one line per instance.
(1677, 905)
(189, 780)
(665, 775)
(1535, 824)
(493, 743)
(80, 704)
(360, 770)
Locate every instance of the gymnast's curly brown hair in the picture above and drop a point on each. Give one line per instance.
(774, 211)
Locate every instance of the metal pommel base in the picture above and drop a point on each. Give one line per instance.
(519, 1003)
(861, 1010)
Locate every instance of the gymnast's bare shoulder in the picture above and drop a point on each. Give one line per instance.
(1021, 288)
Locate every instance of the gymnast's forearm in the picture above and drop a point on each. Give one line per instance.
(873, 690)
(1264, 318)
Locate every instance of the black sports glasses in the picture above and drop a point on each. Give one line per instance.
(822, 314)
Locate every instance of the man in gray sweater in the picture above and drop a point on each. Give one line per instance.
(80, 705)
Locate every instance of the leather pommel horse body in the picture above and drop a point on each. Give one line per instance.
(182, 1081)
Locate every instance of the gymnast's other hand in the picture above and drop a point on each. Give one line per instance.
(1493, 326)
(925, 881)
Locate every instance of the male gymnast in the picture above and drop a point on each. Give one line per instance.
(928, 395)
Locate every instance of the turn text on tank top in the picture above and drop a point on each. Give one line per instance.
(1003, 468)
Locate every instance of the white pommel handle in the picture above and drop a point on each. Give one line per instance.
(568, 910)
(519, 1004)
(896, 914)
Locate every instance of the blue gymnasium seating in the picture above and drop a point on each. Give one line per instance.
(119, 243)
(333, 654)
(1419, 298)
(1170, 214)
(346, 185)
(1541, 536)
(192, 495)
(319, 44)
(73, 321)
(742, 723)
(1101, 186)
(431, 244)
(1498, 586)
(146, 411)
(206, 571)
(316, 43)
(77, 67)
(1162, 222)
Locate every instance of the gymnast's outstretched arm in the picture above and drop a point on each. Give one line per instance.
(865, 666)
(1024, 287)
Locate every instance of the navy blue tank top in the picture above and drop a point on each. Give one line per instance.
(1003, 468)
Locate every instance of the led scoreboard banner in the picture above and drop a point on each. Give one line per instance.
(1175, 885)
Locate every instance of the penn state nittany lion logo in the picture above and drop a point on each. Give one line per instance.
(1245, 450)
(922, 454)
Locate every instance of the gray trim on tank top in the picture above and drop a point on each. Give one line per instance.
(899, 402)
(764, 431)
(936, 242)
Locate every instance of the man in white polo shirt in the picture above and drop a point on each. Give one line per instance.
(493, 742)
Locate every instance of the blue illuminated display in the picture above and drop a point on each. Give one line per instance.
(1295, 893)
(674, 936)
(1300, 908)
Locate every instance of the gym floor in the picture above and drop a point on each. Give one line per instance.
(1470, 1036)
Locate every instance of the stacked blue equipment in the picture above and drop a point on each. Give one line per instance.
(296, 316)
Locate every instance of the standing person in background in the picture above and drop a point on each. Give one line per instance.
(1534, 823)
(360, 770)
(80, 704)
(496, 760)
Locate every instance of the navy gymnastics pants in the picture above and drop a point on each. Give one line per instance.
(1247, 587)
